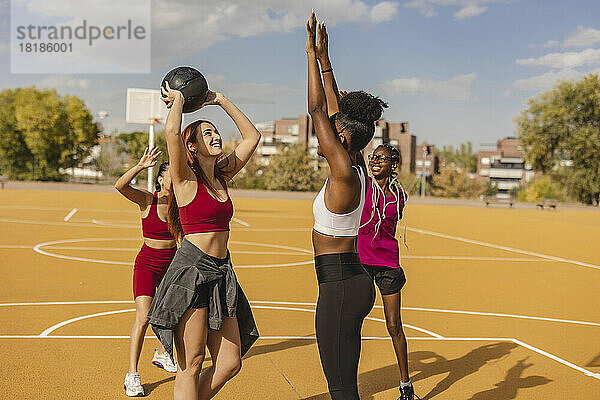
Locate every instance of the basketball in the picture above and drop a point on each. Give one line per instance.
(191, 83)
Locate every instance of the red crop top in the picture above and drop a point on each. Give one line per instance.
(205, 213)
(152, 226)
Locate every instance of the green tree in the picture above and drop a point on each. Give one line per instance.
(294, 168)
(561, 124)
(134, 144)
(451, 183)
(41, 132)
(461, 156)
(16, 161)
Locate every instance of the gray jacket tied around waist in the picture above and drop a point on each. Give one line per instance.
(190, 269)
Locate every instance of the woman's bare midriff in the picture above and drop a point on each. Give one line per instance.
(324, 244)
(212, 243)
(160, 243)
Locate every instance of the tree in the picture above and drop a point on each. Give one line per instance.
(41, 132)
(134, 144)
(452, 183)
(564, 124)
(461, 156)
(294, 168)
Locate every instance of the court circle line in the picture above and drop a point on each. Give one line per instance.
(51, 329)
(38, 249)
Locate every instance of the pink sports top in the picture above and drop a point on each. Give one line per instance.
(377, 244)
(205, 213)
(152, 226)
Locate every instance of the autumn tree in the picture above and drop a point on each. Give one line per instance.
(560, 133)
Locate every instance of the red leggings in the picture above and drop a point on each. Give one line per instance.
(150, 266)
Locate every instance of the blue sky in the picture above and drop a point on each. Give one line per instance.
(457, 70)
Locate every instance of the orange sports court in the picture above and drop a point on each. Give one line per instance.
(500, 303)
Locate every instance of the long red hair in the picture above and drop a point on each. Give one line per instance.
(189, 135)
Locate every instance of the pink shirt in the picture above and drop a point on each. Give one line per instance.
(379, 246)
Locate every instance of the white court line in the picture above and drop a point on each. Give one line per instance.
(486, 314)
(239, 221)
(32, 222)
(55, 327)
(70, 214)
(38, 249)
(80, 318)
(569, 321)
(369, 318)
(516, 341)
(467, 258)
(512, 249)
(112, 225)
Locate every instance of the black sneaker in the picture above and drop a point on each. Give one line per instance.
(408, 393)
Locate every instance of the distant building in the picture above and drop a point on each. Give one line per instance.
(300, 130)
(427, 160)
(505, 166)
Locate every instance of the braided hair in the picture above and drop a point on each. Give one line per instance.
(395, 187)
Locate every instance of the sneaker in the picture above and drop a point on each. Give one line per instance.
(408, 393)
(133, 385)
(164, 361)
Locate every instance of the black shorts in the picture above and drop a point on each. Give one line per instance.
(388, 280)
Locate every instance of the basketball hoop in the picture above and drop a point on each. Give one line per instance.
(144, 106)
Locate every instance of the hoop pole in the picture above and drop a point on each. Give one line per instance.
(150, 146)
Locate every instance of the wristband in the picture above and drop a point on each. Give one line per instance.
(324, 71)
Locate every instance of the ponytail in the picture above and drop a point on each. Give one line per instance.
(173, 217)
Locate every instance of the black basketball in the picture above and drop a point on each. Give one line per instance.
(191, 83)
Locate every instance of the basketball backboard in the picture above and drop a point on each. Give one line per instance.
(144, 106)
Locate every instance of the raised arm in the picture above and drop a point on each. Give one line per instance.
(331, 146)
(250, 138)
(179, 168)
(139, 196)
(322, 51)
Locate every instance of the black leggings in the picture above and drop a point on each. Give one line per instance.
(346, 296)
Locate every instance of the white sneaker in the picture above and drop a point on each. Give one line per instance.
(133, 385)
(164, 361)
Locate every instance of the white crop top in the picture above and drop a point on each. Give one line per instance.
(338, 225)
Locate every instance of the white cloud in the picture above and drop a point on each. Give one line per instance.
(564, 60)
(582, 37)
(384, 11)
(466, 8)
(184, 26)
(551, 43)
(469, 11)
(64, 81)
(546, 81)
(456, 88)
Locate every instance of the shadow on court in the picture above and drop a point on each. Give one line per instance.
(507, 389)
(425, 364)
(149, 387)
(279, 346)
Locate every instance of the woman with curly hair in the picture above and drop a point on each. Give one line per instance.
(346, 292)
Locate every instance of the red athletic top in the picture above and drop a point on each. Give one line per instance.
(205, 213)
(152, 226)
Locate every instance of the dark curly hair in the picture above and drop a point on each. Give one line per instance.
(161, 170)
(358, 112)
(392, 152)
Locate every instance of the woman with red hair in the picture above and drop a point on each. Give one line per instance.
(199, 303)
